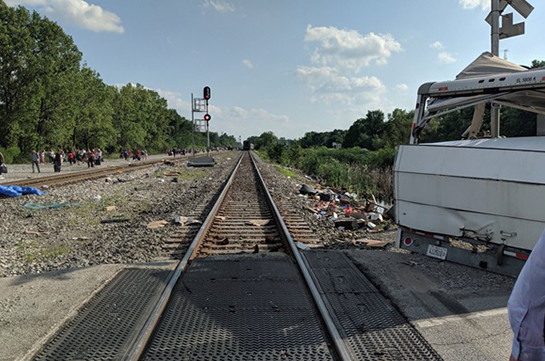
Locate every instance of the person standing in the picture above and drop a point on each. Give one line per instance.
(90, 158)
(1, 165)
(57, 162)
(35, 157)
(526, 308)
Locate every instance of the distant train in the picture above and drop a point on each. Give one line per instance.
(246, 145)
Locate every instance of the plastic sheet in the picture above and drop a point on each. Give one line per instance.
(14, 191)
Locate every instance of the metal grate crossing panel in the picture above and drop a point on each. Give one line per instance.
(372, 328)
(246, 307)
(110, 321)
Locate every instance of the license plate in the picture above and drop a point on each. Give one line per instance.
(437, 252)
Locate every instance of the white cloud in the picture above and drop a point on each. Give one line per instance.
(348, 49)
(247, 63)
(446, 58)
(234, 120)
(437, 45)
(238, 120)
(328, 85)
(221, 6)
(176, 101)
(472, 4)
(402, 87)
(78, 13)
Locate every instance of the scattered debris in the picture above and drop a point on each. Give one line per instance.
(114, 220)
(371, 243)
(186, 221)
(302, 246)
(111, 208)
(15, 191)
(345, 210)
(48, 206)
(156, 224)
(258, 222)
(307, 190)
(346, 223)
(375, 216)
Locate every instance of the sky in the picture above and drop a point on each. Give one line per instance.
(286, 66)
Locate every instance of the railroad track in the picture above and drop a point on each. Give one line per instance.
(242, 291)
(65, 178)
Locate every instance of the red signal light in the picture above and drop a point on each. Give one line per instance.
(207, 117)
(206, 92)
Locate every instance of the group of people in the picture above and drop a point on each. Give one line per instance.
(91, 157)
(174, 151)
(136, 154)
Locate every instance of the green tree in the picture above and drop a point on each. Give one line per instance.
(397, 128)
(93, 112)
(365, 131)
(265, 140)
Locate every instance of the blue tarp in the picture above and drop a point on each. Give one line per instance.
(13, 191)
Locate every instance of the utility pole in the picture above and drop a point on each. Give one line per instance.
(495, 41)
(507, 30)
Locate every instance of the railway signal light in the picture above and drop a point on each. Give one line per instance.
(207, 117)
(206, 92)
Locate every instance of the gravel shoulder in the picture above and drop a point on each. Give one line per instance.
(104, 221)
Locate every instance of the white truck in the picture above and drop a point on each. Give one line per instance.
(479, 202)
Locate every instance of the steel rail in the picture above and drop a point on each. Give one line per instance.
(339, 344)
(134, 353)
(67, 178)
(72, 177)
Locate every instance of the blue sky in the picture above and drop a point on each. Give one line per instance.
(285, 66)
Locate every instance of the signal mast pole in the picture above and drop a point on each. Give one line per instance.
(495, 49)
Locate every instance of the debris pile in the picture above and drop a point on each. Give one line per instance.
(345, 210)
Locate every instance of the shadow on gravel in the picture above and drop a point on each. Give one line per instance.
(66, 274)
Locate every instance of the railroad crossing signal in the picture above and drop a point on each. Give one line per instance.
(508, 29)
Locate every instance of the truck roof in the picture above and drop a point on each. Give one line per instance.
(489, 78)
(534, 144)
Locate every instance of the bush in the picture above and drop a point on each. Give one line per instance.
(357, 170)
(11, 153)
(276, 152)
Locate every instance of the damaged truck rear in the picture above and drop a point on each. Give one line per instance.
(479, 202)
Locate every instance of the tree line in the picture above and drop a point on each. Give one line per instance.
(49, 98)
(364, 162)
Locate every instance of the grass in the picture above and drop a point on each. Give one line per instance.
(185, 174)
(43, 254)
(33, 252)
(286, 171)
(355, 170)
